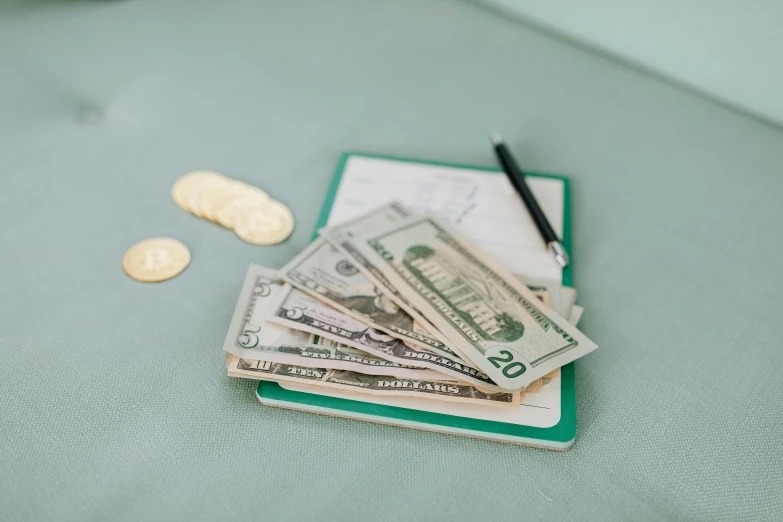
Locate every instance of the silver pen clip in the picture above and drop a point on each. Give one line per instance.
(560, 254)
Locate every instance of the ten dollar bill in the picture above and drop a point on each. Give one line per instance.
(370, 384)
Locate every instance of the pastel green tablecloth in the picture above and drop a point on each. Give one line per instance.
(115, 403)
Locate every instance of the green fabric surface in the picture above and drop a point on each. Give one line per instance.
(115, 403)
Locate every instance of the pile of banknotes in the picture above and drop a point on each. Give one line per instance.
(398, 303)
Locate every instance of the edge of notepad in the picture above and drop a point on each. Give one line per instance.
(391, 421)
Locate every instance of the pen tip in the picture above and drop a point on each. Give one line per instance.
(495, 138)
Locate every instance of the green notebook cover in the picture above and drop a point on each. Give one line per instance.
(559, 436)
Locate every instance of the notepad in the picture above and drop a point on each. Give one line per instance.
(482, 203)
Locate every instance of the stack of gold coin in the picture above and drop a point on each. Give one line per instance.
(245, 209)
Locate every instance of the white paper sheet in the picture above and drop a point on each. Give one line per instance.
(483, 205)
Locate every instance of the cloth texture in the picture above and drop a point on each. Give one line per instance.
(115, 402)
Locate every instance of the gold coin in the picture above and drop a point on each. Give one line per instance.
(266, 224)
(155, 259)
(200, 191)
(229, 206)
(183, 187)
(211, 201)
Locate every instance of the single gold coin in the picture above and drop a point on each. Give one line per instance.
(200, 192)
(229, 206)
(266, 224)
(155, 259)
(184, 186)
(211, 201)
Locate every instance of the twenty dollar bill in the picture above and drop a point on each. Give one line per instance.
(485, 312)
(340, 237)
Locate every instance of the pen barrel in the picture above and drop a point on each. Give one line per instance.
(517, 179)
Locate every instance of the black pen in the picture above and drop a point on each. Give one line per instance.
(517, 178)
